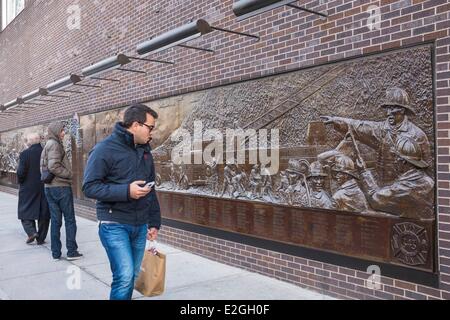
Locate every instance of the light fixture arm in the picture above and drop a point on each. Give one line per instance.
(323, 15)
(87, 85)
(71, 91)
(131, 70)
(44, 100)
(195, 48)
(105, 79)
(33, 104)
(151, 60)
(236, 32)
(57, 96)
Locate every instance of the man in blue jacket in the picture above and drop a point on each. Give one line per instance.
(117, 173)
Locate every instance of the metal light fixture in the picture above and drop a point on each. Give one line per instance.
(108, 64)
(34, 95)
(44, 92)
(21, 102)
(174, 37)
(180, 35)
(66, 82)
(16, 105)
(114, 63)
(63, 83)
(11, 104)
(244, 9)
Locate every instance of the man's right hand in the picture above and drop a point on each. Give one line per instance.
(137, 192)
(327, 119)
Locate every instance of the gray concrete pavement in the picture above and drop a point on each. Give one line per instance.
(27, 272)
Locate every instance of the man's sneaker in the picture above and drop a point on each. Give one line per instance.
(74, 256)
(56, 258)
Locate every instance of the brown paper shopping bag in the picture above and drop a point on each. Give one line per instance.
(151, 280)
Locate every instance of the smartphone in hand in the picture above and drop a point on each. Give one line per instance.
(150, 184)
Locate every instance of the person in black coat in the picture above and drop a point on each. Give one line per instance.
(32, 202)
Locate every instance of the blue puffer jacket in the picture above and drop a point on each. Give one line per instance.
(112, 166)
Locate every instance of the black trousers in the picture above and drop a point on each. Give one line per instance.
(30, 228)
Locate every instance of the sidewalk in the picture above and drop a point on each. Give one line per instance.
(27, 272)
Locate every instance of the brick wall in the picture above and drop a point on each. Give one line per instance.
(326, 278)
(38, 48)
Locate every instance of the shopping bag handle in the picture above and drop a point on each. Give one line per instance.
(151, 246)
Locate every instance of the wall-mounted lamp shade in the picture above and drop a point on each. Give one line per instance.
(106, 65)
(11, 104)
(248, 8)
(63, 83)
(244, 9)
(174, 37)
(32, 95)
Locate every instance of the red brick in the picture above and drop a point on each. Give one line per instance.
(429, 291)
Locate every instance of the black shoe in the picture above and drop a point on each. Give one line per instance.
(56, 258)
(31, 239)
(74, 256)
(41, 243)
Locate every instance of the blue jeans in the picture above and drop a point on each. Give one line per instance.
(125, 247)
(60, 202)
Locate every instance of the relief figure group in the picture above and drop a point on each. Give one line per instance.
(339, 179)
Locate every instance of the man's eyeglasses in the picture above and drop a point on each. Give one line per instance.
(150, 128)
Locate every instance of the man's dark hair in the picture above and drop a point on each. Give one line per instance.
(137, 113)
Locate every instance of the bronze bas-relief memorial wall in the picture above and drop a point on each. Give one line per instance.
(356, 161)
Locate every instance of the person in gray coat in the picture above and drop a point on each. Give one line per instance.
(59, 192)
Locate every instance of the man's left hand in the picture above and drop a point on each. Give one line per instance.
(152, 234)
